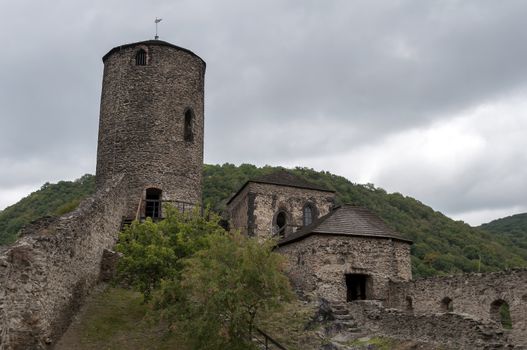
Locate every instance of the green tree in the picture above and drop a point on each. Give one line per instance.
(210, 283)
(154, 251)
(222, 290)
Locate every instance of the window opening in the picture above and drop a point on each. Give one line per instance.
(140, 58)
(281, 222)
(153, 203)
(356, 286)
(188, 134)
(499, 312)
(308, 215)
(447, 305)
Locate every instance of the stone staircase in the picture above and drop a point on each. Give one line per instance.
(344, 320)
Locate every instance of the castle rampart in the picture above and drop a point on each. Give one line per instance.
(478, 295)
(45, 275)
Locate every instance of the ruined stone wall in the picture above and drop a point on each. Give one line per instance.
(45, 275)
(238, 211)
(446, 330)
(269, 199)
(318, 264)
(142, 122)
(471, 294)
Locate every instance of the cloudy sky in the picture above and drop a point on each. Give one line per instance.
(425, 98)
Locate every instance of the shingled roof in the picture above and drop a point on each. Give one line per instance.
(283, 178)
(346, 220)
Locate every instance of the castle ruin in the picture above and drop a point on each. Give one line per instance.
(150, 151)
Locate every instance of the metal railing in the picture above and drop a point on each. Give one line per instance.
(267, 343)
(155, 206)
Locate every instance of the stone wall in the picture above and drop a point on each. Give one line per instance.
(45, 275)
(142, 122)
(264, 201)
(471, 294)
(445, 330)
(318, 264)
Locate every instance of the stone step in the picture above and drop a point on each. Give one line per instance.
(340, 312)
(346, 317)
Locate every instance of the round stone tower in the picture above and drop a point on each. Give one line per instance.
(151, 125)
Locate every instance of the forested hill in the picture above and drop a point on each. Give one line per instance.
(514, 228)
(441, 245)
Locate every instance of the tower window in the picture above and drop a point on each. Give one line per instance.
(140, 58)
(188, 133)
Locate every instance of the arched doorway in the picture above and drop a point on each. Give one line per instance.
(447, 305)
(153, 203)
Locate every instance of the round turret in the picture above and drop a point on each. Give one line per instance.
(151, 125)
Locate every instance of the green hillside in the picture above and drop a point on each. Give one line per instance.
(441, 245)
(49, 200)
(513, 228)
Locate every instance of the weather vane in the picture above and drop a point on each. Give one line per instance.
(156, 22)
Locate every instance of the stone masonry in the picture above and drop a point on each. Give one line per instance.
(254, 208)
(141, 125)
(46, 274)
(318, 264)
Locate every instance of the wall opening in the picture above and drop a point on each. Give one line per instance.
(281, 222)
(447, 305)
(153, 203)
(499, 312)
(357, 286)
(188, 132)
(409, 304)
(140, 58)
(309, 214)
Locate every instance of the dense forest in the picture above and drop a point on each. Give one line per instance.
(441, 245)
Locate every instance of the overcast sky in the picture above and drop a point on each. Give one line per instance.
(425, 98)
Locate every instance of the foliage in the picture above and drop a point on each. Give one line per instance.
(153, 251)
(49, 200)
(512, 228)
(223, 288)
(211, 283)
(441, 245)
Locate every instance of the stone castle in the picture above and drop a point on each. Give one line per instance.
(150, 152)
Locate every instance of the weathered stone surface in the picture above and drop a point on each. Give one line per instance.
(46, 274)
(141, 125)
(318, 264)
(447, 330)
(254, 209)
(471, 294)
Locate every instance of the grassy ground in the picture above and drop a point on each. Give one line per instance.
(115, 319)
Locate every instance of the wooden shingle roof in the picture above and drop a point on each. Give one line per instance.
(346, 220)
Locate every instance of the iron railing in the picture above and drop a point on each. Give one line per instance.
(155, 207)
(264, 340)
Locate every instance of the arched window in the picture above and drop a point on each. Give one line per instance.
(309, 214)
(499, 312)
(188, 133)
(140, 58)
(153, 203)
(281, 222)
(447, 305)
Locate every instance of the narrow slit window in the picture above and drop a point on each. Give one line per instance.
(188, 133)
(140, 58)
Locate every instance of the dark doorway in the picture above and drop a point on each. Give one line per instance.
(153, 203)
(356, 285)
